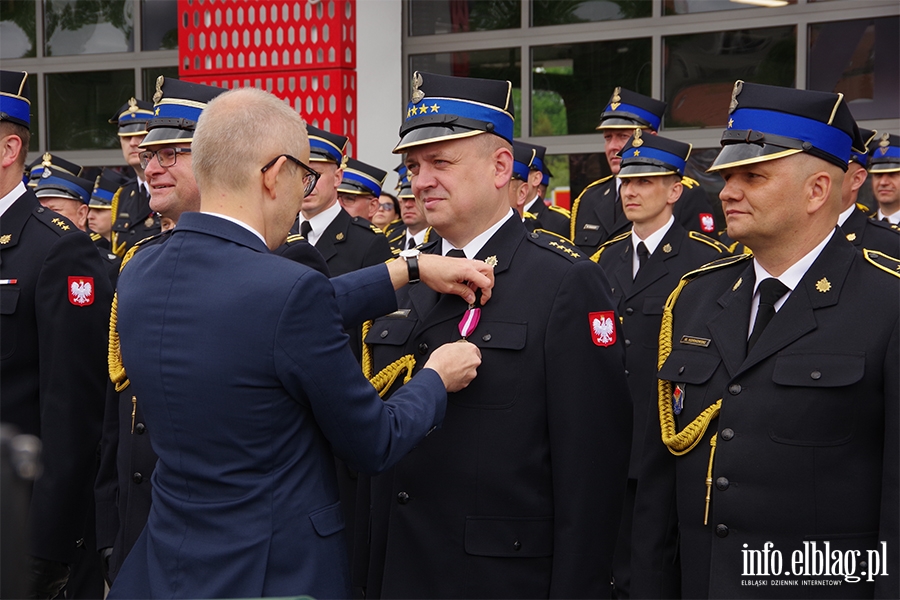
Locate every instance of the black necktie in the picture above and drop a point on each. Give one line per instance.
(643, 255)
(411, 244)
(305, 228)
(456, 253)
(770, 291)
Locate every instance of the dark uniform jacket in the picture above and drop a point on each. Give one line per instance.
(53, 332)
(806, 440)
(640, 303)
(133, 220)
(512, 497)
(872, 234)
(395, 232)
(597, 214)
(552, 218)
(245, 417)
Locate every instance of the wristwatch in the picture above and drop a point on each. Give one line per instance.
(411, 257)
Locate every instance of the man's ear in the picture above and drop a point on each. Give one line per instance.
(503, 166)
(270, 177)
(10, 147)
(859, 178)
(818, 190)
(534, 178)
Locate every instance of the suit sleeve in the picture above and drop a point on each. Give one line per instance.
(316, 366)
(72, 346)
(589, 419)
(364, 294)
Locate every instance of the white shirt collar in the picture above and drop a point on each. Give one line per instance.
(894, 218)
(418, 238)
(238, 222)
(651, 242)
(11, 197)
(530, 204)
(321, 221)
(474, 247)
(842, 218)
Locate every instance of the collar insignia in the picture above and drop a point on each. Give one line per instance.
(339, 236)
(823, 285)
(737, 284)
(851, 237)
(667, 248)
(6, 238)
(491, 261)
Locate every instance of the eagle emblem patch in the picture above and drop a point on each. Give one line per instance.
(81, 291)
(603, 328)
(707, 223)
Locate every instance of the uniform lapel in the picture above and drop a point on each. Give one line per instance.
(657, 267)
(854, 227)
(621, 272)
(335, 233)
(730, 326)
(14, 219)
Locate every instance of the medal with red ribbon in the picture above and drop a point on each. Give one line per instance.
(470, 319)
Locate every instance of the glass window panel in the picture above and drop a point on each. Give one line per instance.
(159, 24)
(502, 63)
(869, 49)
(700, 70)
(149, 77)
(572, 82)
(83, 125)
(17, 29)
(88, 26)
(560, 12)
(429, 17)
(34, 127)
(683, 7)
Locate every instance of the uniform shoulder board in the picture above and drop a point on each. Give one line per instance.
(716, 264)
(152, 238)
(883, 261)
(560, 210)
(699, 237)
(54, 221)
(366, 224)
(529, 215)
(608, 243)
(884, 225)
(555, 242)
(95, 236)
(689, 183)
(868, 211)
(574, 213)
(296, 237)
(376, 229)
(395, 251)
(397, 237)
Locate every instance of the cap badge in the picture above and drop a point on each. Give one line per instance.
(616, 99)
(159, 93)
(637, 142)
(46, 172)
(738, 87)
(823, 285)
(46, 160)
(491, 261)
(132, 104)
(417, 94)
(885, 143)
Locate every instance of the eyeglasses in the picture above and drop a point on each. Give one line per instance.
(165, 156)
(386, 206)
(310, 178)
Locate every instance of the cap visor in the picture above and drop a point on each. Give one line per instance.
(428, 135)
(55, 192)
(620, 123)
(135, 128)
(645, 171)
(736, 155)
(167, 135)
(96, 204)
(884, 167)
(350, 188)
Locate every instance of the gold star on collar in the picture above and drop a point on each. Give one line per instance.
(823, 285)
(5, 239)
(667, 248)
(851, 237)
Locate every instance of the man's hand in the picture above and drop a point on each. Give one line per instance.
(447, 275)
(456, 363)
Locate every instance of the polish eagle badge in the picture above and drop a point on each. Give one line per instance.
(603, 328)
(81, 291)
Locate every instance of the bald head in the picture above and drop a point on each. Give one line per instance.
(228, 150)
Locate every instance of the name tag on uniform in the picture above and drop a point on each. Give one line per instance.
(399, 314)
(591, 227)
(690, 340)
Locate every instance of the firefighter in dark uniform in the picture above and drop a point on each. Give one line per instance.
(525, 191)
(397, 236)
(884, 167)
(854, 221)
(778, 382)
(519, 493)
(122, 490)
(643, 267)
(106, 185)
(360, 189)
(54, 306)
(597, 214)
(133, 220)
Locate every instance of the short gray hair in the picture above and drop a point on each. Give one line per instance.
(239, 132)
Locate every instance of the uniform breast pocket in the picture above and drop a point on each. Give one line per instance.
(654, 306)
(589, 237)
(499, 377)
(9, 298)
(390, 331)
(814, 408)
(692, 370)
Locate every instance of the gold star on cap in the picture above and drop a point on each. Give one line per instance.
(737, 284)
(823, 285)
(417, 94)
(730, 123)
(491, 261)
(738, 88)
(637, 153)
(637, 142)
(616, 99)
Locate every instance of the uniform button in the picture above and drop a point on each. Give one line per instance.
(486, 337)
(816, 375)
(727, 433)
(423, 348)
(627, 373)
(681, 369)
(384, 334)
(140, 428)
(41, 209)
(137, 478)
(734, 389)
(517, 545)
(402, 498)
(722, 483)
(627, 343)
(534, 235)
(721, 530)
(629, 311)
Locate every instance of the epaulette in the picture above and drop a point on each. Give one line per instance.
(697, 236)
(866, 210)
(609, 242)
(560, 210)
(884, 262)
(395, 251)
(54, 221)
(528, 215)
(884, 225)
(575, 204)
(95, 236)
(296, 237)
(376, 229)
(689, 183)
(427, 235)
(725, 261)
(555, 242)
